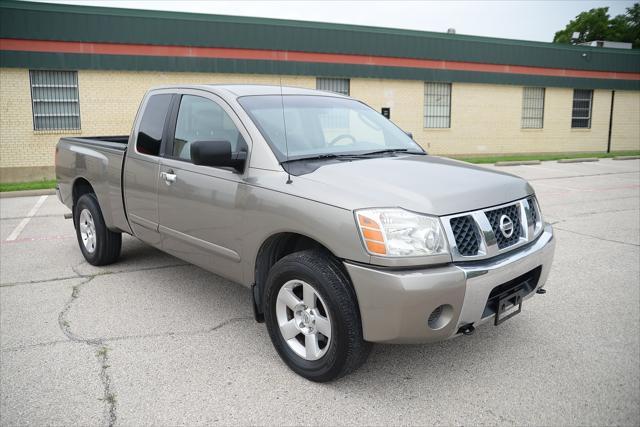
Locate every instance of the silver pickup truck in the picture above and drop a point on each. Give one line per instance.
(345, 230)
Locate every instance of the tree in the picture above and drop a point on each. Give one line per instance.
(596, 24)
(633, 25)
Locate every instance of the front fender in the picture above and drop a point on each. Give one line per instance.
(269, 212)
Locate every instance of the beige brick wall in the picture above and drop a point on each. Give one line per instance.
(109, 100)
(625, 133)
(18, 144)
(484, 118)
(108, 104)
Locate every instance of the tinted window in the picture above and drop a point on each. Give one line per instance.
(200, 119)
(152, 124)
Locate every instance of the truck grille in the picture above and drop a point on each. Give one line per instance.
(513, 213)
(534, 212)
(466, 234)
(477, 234)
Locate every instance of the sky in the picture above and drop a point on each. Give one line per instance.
(523, 20)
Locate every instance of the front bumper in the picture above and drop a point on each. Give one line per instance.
(395, 305)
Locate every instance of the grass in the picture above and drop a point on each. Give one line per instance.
(543, 157)
(110, 398)
(34, 185)
(102, 351)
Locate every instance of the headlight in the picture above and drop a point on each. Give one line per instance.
(400, 233)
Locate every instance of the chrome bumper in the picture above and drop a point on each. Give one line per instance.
(395, 305)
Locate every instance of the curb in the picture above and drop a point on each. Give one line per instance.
(518, 163)
(27, 193)
(586, 159)
(626, 158)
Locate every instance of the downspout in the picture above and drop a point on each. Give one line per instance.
(613, 95)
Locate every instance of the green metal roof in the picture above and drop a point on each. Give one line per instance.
(44, 21)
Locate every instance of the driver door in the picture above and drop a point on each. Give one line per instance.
(198, 207)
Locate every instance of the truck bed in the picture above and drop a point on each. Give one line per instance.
(99, 162)
(112, 142)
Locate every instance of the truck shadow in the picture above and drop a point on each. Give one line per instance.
(212, 300)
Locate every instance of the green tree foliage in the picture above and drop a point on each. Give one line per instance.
(596, 24)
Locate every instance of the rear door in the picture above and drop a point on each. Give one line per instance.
(142, 167)
(199, 206)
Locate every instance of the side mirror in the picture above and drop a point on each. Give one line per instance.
(409, 134)
(217, 154)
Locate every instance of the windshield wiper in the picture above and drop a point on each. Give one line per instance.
(322, 157)
(391, 150)
(329, 156)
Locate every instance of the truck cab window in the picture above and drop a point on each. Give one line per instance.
(201, 119)
(152, 124)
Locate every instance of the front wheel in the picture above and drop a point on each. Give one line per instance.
(99, 245)
(312, 316)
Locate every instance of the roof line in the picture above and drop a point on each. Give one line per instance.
(148, 13)
(93, 48)
(75, 61)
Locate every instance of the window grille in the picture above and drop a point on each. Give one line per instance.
(437, 105)
(55, 100)
(333, 85)
(533, 108)
(582, 105)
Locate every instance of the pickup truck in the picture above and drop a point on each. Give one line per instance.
(345, 230)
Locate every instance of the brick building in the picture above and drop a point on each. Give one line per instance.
(83, 70)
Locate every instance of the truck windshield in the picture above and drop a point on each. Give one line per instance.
(323, 126)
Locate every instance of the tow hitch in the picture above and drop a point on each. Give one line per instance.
(467, 330)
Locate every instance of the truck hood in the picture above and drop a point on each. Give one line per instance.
(427, 184)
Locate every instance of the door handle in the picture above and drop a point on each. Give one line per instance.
(169, 177)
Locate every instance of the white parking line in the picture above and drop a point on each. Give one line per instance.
(16, 232)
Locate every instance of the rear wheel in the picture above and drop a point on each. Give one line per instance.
(312, 316)
(99, 245)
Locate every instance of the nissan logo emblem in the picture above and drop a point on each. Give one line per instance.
(506, 226)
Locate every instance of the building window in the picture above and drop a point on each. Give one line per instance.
(334, 119)
(582, 104)
(333, 85)
(437, 105)
(532, 108)
(55, 101)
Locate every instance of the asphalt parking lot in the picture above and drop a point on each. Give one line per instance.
(152, 340)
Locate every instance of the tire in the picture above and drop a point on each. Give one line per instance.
(100, 246)
(344, 349)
